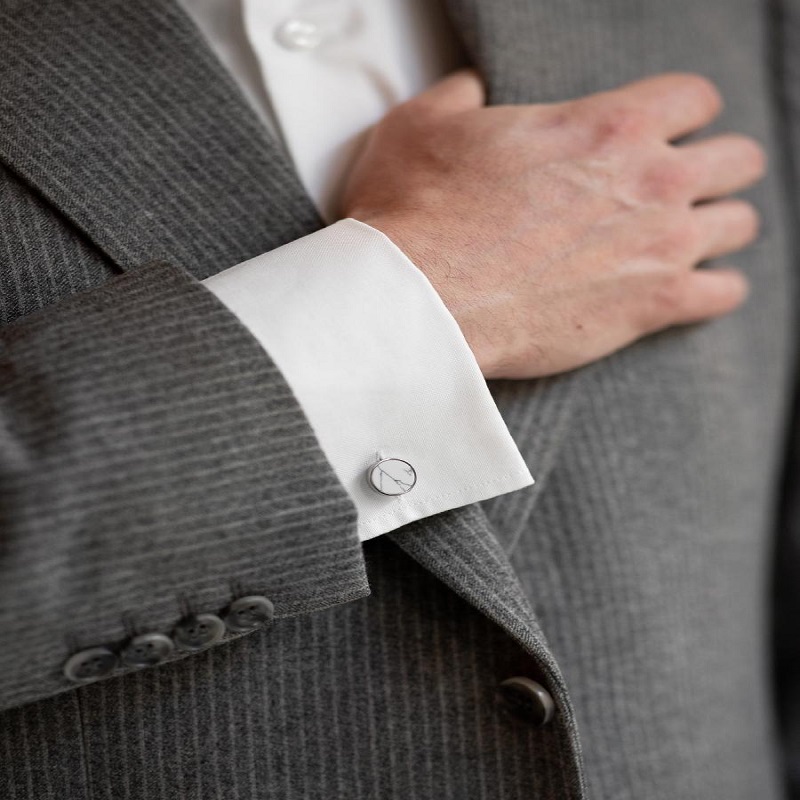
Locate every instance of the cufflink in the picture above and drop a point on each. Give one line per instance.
(392, 477)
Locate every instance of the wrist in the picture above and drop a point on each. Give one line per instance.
(442, 272)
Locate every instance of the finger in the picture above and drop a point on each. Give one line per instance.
(677, 103)
(723, 165)
(727, 226)
(460, 91)
(712, 293)
(696, 296)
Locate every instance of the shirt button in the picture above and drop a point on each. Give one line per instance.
(198, 631)
(90, 664)
(392, 476)
(527, 700)
(299, 34)
(147, 649)
(249, 613)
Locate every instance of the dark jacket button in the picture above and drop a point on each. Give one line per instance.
(90, 664)
(147, 649)
(198, 631)
(249, 613)
(527, 700)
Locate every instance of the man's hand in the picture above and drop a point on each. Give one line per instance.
(559, 233)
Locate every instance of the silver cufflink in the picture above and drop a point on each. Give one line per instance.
(392, 476)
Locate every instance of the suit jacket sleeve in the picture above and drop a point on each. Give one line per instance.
(153, 464)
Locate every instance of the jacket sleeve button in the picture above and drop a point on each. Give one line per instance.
(526, 700)
(147, 649)
(90, 665)
(198, 631)
(249, 613)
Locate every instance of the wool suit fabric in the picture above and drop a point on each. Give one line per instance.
(154, 461)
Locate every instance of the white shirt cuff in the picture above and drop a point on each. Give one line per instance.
(380, 368)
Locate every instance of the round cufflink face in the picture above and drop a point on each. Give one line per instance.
(198, 631)
(147, 650)
(90, 665)
(392, 476)
(249, 613)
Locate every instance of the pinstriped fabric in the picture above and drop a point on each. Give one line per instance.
(391, 697)
(538, 415)
(644, 546)
(460, 548)
(154, 510)
(35, 246)
(786, 598)
(665, 678)
(42, 752)
(205, 187)
(168, 127)
(653, 593)
(641, 549)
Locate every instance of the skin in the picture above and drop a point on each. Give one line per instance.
(559, 233)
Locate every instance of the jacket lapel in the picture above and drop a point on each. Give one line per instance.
(123, 119)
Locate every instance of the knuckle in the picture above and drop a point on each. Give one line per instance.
(676, 241)
(666, 301)
(689, 237)
(621, 126)
(667, 181)
(557, 116)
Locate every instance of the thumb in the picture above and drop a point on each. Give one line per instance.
(459, 91)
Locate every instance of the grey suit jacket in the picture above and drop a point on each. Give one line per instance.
(156, 466)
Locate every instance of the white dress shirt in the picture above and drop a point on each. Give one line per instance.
(376, 361)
